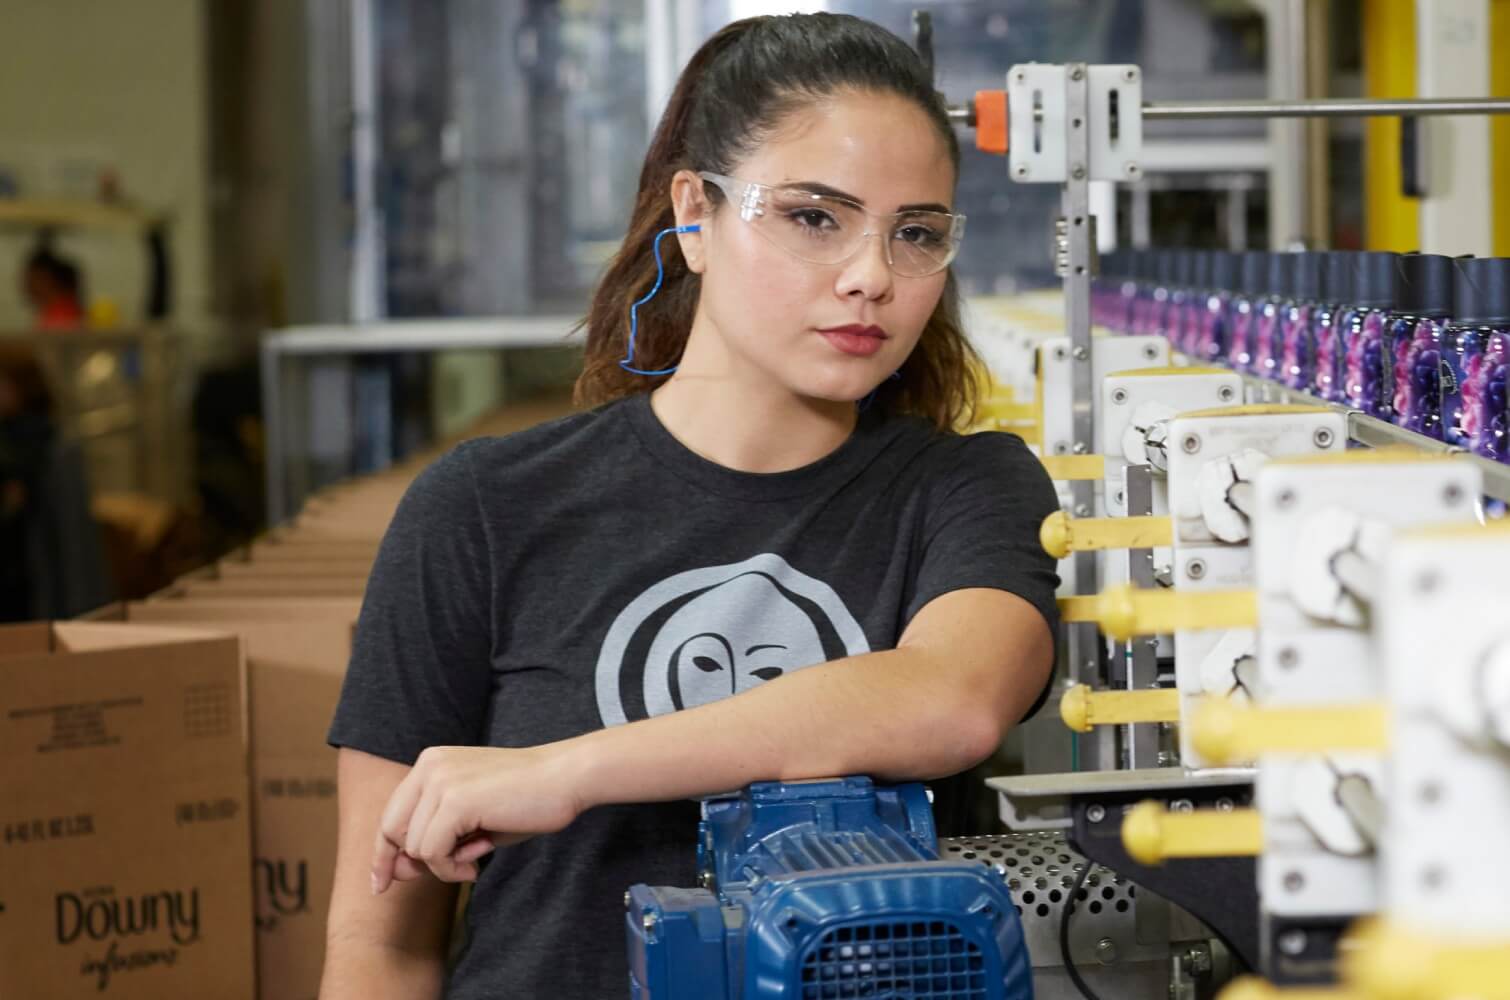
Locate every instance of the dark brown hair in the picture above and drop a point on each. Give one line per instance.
(735, 92)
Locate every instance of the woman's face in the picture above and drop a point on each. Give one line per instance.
(768, 310)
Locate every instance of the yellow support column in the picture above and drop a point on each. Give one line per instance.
(1390, 219)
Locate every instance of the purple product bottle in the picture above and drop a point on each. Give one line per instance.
(1296, 348)
(1193, 316)
(1268, 322)
(1414, 338)
(1477, 354)
(1328, 321)
(1253, 288)
(1215, 317)
(1106, 291)
(1127, 290)
(1179, 295)
(1150, 319)
(1376, 295)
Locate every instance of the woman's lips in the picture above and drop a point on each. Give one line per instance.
(859, 341)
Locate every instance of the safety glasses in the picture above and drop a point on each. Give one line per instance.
(822, 229)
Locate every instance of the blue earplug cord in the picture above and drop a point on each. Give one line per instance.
(634, 321)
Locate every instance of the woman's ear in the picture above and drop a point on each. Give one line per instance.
(692, 209)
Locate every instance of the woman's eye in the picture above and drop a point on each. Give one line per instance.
(925, 236)
(812, 218)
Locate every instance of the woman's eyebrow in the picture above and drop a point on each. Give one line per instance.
(819, 188)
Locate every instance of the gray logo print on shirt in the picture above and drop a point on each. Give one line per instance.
(708, 633)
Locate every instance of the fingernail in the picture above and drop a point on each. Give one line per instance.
(377, 886)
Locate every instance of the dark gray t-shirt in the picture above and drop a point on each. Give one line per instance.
(593, 571)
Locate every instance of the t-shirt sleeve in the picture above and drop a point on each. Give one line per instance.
(983, 524)
(420, 672)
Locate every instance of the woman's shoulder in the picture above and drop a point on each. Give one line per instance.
(568, 440)
(950, 451)
(567, 430)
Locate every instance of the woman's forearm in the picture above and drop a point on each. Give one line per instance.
(885, 714)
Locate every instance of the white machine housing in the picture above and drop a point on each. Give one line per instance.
(1443, 637)
(1320, 538)
(1211, 452)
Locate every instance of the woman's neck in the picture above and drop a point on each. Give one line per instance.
(747, 428)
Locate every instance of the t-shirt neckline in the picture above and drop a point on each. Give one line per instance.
(861, 445)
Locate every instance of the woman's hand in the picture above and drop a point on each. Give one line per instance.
(458, 803)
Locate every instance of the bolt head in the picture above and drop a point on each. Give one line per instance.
(1289, 657)
(1060, 354)
(1293, 881)
(1106, 951)
(1322, 438)
(1119, 396)
(1021, 170)
(1292, 942)
(1195, 569)
(1285, 499)
(1130, 74)
(1096, 814)
(1131, 169)
(1190, 444)
(1452, 494)
(1150, 353)
(1080, 448)
(1226, 394)
(1078, 173)
(1081, 354)
(1078, 73)
(649, 922)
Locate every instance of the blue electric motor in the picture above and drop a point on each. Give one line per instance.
(826, 890)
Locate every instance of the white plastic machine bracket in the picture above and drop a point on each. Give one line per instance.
(1038, 111)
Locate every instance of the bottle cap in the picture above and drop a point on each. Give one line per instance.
(1481, 292)
(1306, 274)
(1225, 271)
(1425, 284)
(1376, 280)
(1338, 277)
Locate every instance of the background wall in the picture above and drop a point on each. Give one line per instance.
(87, 85)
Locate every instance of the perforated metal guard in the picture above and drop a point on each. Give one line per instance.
(886, 959)
(1040, 868)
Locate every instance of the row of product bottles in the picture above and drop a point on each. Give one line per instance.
(1420, 340)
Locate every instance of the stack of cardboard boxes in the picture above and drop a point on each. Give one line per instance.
(162, 752)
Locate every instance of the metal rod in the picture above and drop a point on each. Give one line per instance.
(1375, 433)
(1325, 108)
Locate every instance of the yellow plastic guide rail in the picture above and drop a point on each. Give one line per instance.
(1073, 468)
(1225, 732)
(1383, 960)
(1151, 834)
(1126, 611)
(1061, 534)
(1082, 709)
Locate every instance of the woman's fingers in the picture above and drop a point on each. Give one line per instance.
(406, 869)
(393, 829)
(419, 822)
(470, 850)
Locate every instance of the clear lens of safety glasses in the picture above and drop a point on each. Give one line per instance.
(824, 230)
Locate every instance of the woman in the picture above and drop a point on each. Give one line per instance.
(573, 631)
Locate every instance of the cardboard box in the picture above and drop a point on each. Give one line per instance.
(290, 547)
(125, 843)
(296, 570)
(196, 587)
(296, 655)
